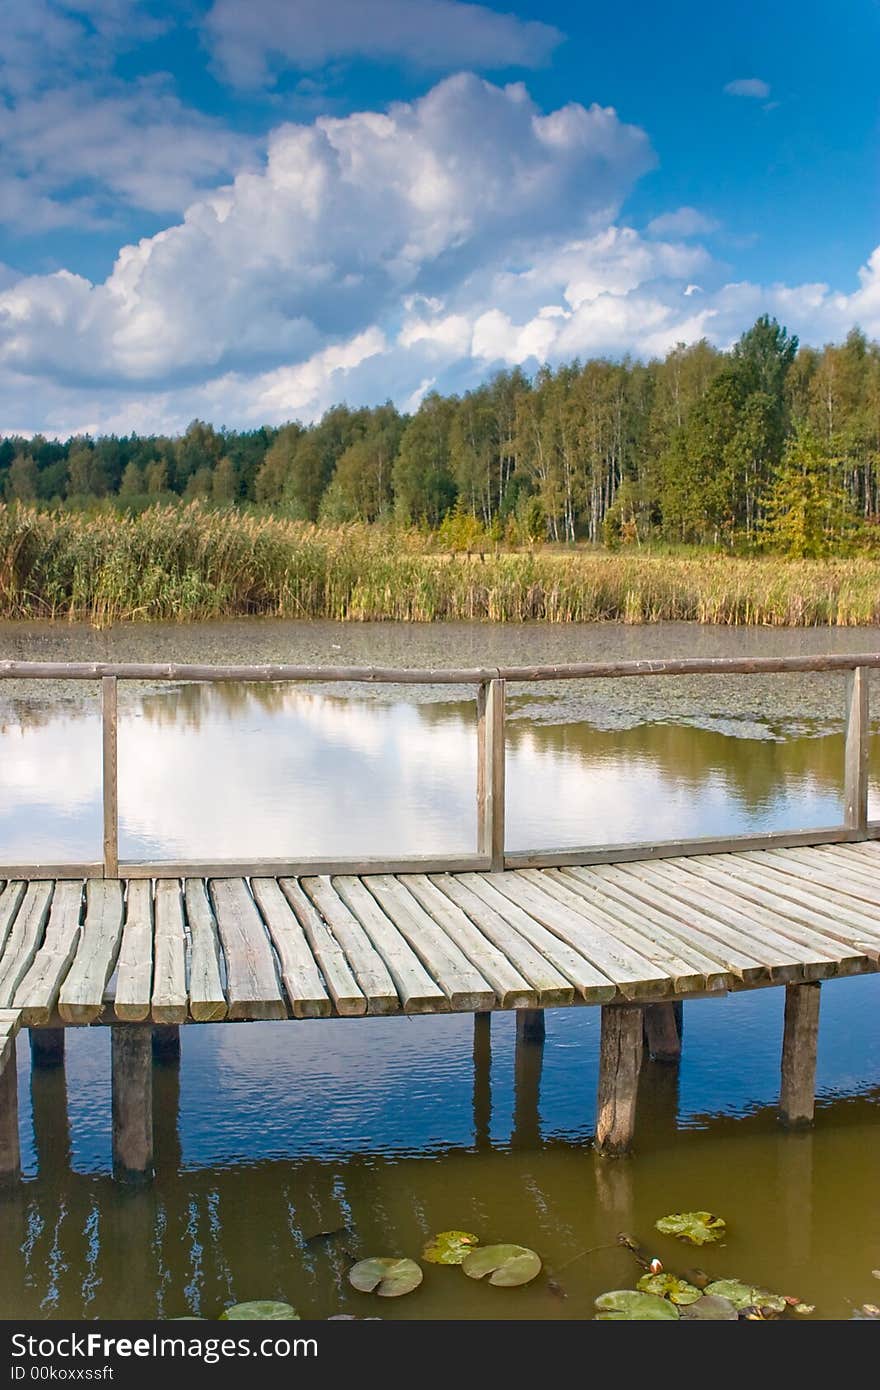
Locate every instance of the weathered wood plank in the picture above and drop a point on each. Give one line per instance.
(662, 1036)
(37, 993)
(797, 1098)
(574, 920)
(340, 943)
(831, 914)
(24, 940)
(695, 956)
(464, 986)
(286, 868)
(81, 999)
(418, 992)
(551, 987)
(513, 991)
(779, 918)
(590, 983)
(169, 1000)
(780, 957)
(859, 889)
(348, 998)
(620, 1060)
(302, 980)
(134, 975)
(207, 1001)
(10, 902)
(252, 986)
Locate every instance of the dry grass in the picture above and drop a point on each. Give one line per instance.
(183, 563)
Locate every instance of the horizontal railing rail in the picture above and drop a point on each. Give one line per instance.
(491, 685)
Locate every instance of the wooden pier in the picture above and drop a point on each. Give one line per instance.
(634, 929)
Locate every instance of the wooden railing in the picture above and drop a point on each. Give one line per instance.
(491, 684)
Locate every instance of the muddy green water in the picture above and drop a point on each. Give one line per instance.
(387, 1130)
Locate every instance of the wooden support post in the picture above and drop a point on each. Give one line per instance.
(662, 1032)
(49, 1112)
(166, 1043)
(10, 1146)
(527, 1068)
(110, 780)
(855, 794)
(530, 1025)
(132, 1084)
(47, 1047)
(797, 1099)
(482, 1079)
(490, 771)
(620, 1060)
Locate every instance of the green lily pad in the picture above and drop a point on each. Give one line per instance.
(390, 1278)
(261, 1310)
(449, 1247)
(710, 1308)
(747, 1295)
(631, 1305)
(694, 1227)
(507, 1265)
(669, 1286)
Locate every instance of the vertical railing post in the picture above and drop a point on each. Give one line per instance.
(490, 771)
(110, 795)
(855, 795)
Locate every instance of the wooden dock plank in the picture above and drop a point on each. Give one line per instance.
(207, 1001)
(692, 957)
(511, 988)
(169, 1001)
(24, 939)
(348, 998)
(306, 993)
(419, 993)
(848, 878)
(82, 994)
(697, 925)
(551, 987)
(465, 988)
(341, 945)
(778, 917)
(37, 993)
(134, 970)
(833, 913)
(252, 986)
(782, 958)
(574, 920)
(592, 986)
(10, 902)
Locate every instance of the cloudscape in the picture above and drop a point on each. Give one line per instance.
(246, 212)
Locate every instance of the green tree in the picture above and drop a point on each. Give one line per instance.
(22, 479)
(424, 488)
(224, 485)
(133, 483)
(806, 510)
(86, 474)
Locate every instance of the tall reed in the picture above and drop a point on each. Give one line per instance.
(179, 563)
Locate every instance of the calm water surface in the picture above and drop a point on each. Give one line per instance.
(271, 1134)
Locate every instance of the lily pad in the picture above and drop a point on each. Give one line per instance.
(449, 1247)
(744, 1296)
(694, 1227)
(669, 1286)
(710, 1308)
(261, 1310)
(390, 1278)
(631, 1305)
(506, 1265)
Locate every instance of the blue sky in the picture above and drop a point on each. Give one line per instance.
(247, 209)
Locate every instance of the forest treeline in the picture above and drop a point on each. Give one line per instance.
(770, 445)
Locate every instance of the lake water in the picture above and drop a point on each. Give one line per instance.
(271, 1134)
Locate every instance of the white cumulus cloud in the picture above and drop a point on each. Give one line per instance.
(684, 222)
